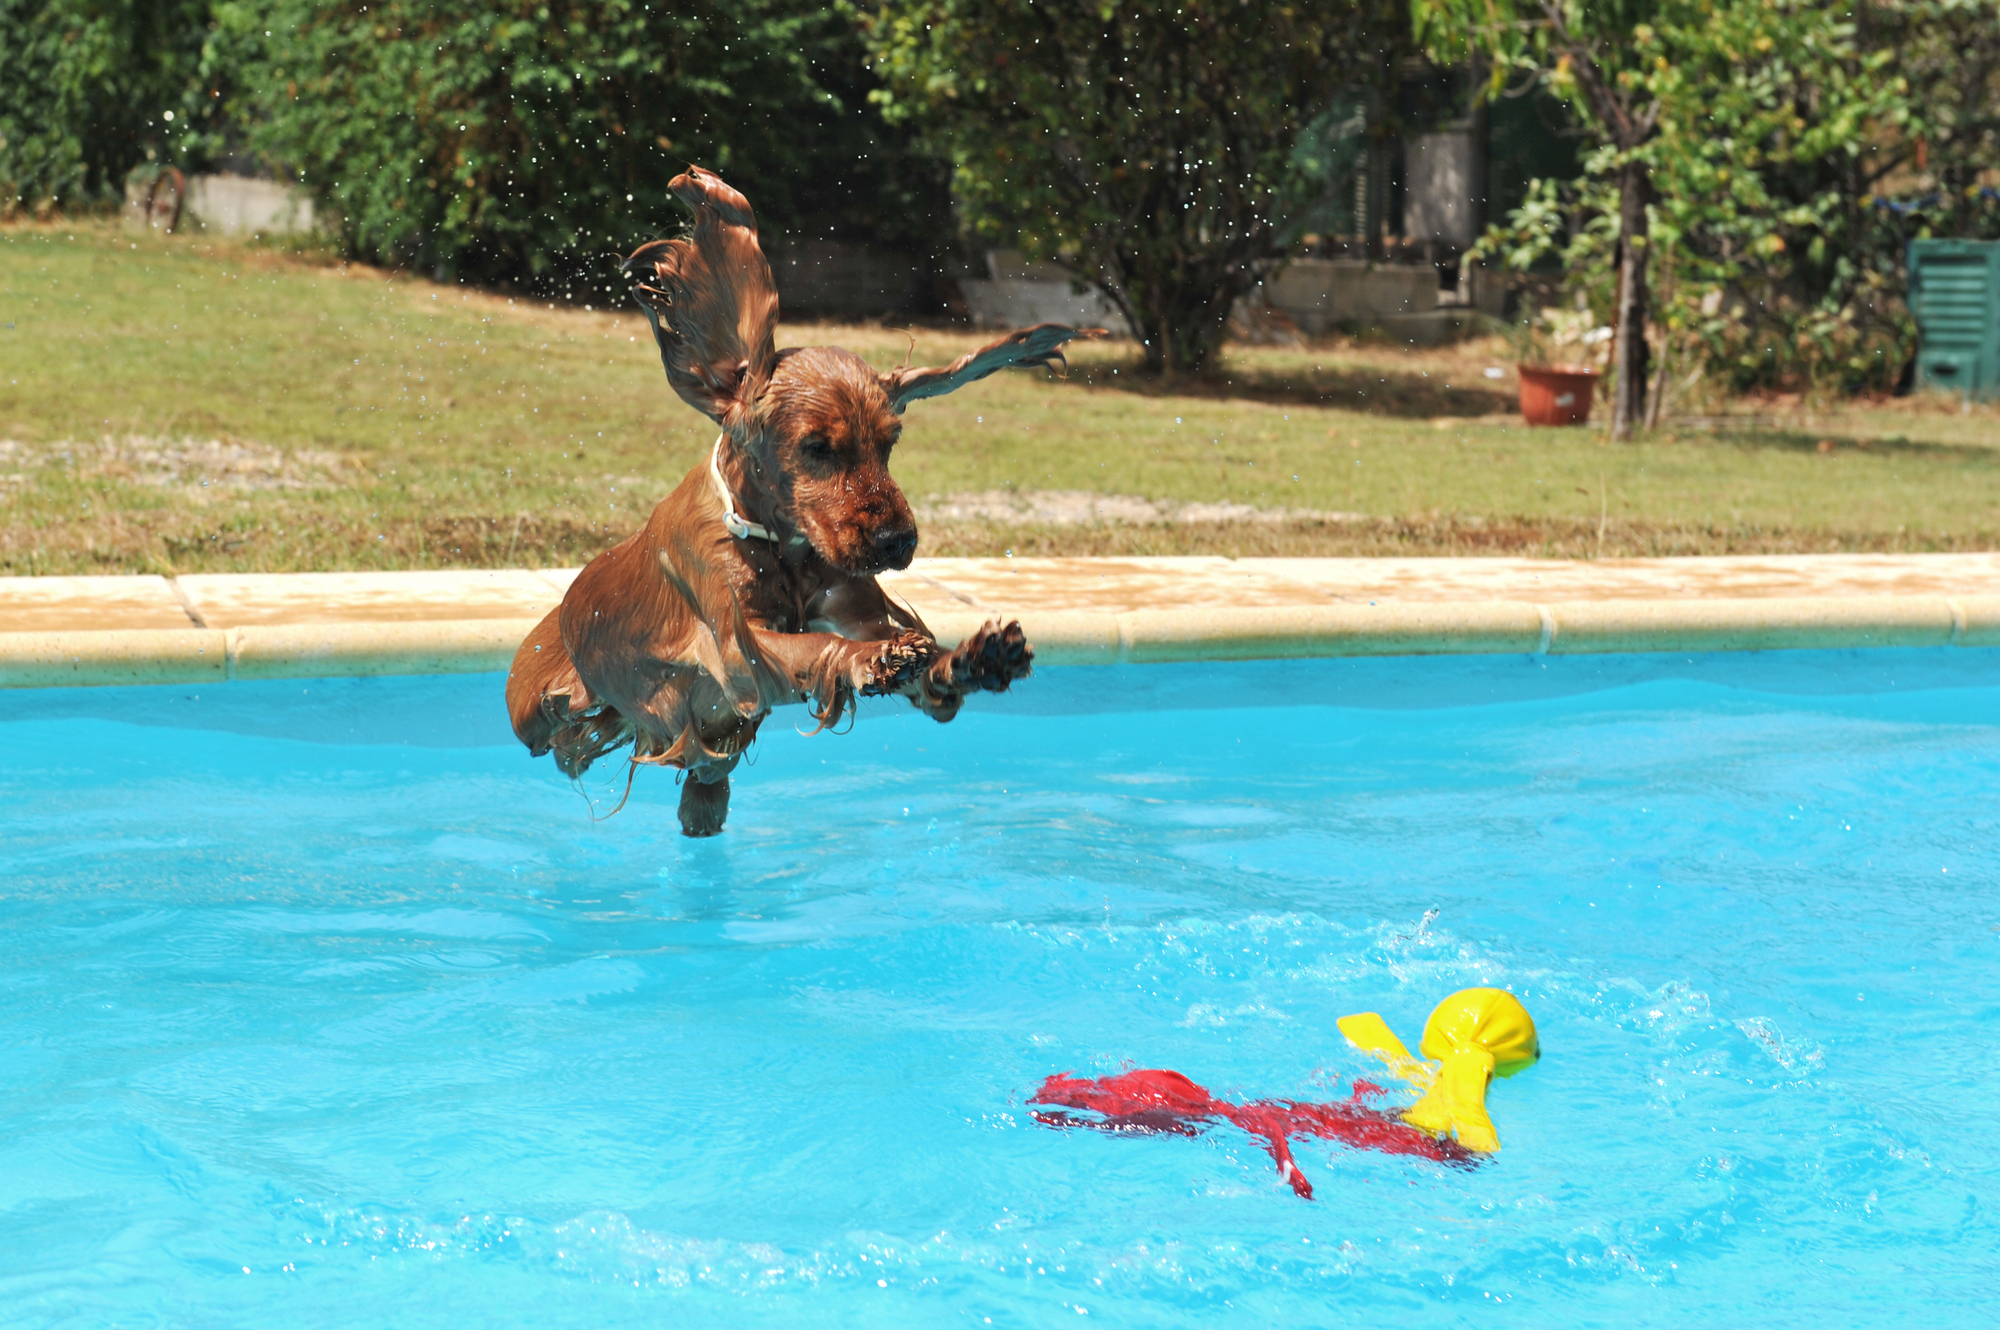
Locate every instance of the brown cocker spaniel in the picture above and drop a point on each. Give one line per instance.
(752, 585)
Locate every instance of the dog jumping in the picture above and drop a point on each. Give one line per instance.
(752, 585)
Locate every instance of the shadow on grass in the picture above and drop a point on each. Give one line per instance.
(1411, 394)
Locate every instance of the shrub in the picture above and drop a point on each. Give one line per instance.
(532, 140)
(89, 89)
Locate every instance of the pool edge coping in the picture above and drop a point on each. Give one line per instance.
(1065, 637)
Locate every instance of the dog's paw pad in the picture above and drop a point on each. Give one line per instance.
(899, 660)
(991, 659)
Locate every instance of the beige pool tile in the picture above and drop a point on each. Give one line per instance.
(234, 600)
(1548, 580)
(969, 590)
(93, 657)
(922, 593)
(1024, 585)
(1754, 623)
(88, 604)
(559, 578)
(930, 598)
(1978, 620)
(347, 650)
(1122, 585)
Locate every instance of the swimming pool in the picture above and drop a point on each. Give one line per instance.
(323, 1005)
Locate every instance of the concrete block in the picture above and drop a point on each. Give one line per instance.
(1435, 328)
(88, 604)
(1485, 289)
(1059, 637)
(154, 204)
(240, 600)
(1440, 170)
(243, 205)
(1073, 637)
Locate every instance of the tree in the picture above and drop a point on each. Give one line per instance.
(1589, 52)
(91, 88)
(1949, 51)
(1938, 175)
(1775, 121)
(1147, 147)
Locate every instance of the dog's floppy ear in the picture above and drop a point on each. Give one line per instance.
(711, 301)
(1039, 345)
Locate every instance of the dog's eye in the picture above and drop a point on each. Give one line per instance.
(817, 448)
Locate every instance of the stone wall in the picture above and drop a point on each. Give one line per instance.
(1324, 295)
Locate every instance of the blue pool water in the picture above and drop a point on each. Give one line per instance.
(322, 1005)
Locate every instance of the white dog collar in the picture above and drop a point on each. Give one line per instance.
(731, 519)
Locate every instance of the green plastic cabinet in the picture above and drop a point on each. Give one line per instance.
(1955, 295)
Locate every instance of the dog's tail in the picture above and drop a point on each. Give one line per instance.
(551, 707)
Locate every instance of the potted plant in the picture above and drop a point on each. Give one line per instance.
(1561, 354)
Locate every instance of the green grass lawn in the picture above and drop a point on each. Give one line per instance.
(179, 405)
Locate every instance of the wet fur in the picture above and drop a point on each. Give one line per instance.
(680, 639)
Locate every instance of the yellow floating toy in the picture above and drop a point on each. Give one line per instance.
(1473, 1035)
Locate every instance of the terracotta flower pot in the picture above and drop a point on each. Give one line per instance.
(1556, 394)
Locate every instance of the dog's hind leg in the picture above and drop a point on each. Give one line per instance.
(551, 708)
(542, 687)
(704, 804)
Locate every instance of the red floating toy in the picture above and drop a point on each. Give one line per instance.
(1157, 1102)
(1473, 1035)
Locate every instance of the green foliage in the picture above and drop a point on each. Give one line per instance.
(1149, 147)
(1593, 55)
(85, 89)
(1531, 136)
(1767, 116)
(1949, 51)
(1778, 125)
(1770, 116)
(534, 139)
(498, 139)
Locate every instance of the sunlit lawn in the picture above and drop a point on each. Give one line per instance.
(370, 421)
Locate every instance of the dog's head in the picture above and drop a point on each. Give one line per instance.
(828, 430)
(813, 426)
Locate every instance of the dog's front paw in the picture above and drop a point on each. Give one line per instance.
(894, 663)
(989, 660)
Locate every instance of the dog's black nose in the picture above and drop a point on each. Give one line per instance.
(896, 548)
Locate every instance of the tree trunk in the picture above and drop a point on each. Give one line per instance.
(1628, 405)
(1181, 323)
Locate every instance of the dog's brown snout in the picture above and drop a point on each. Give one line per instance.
(896, 548)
